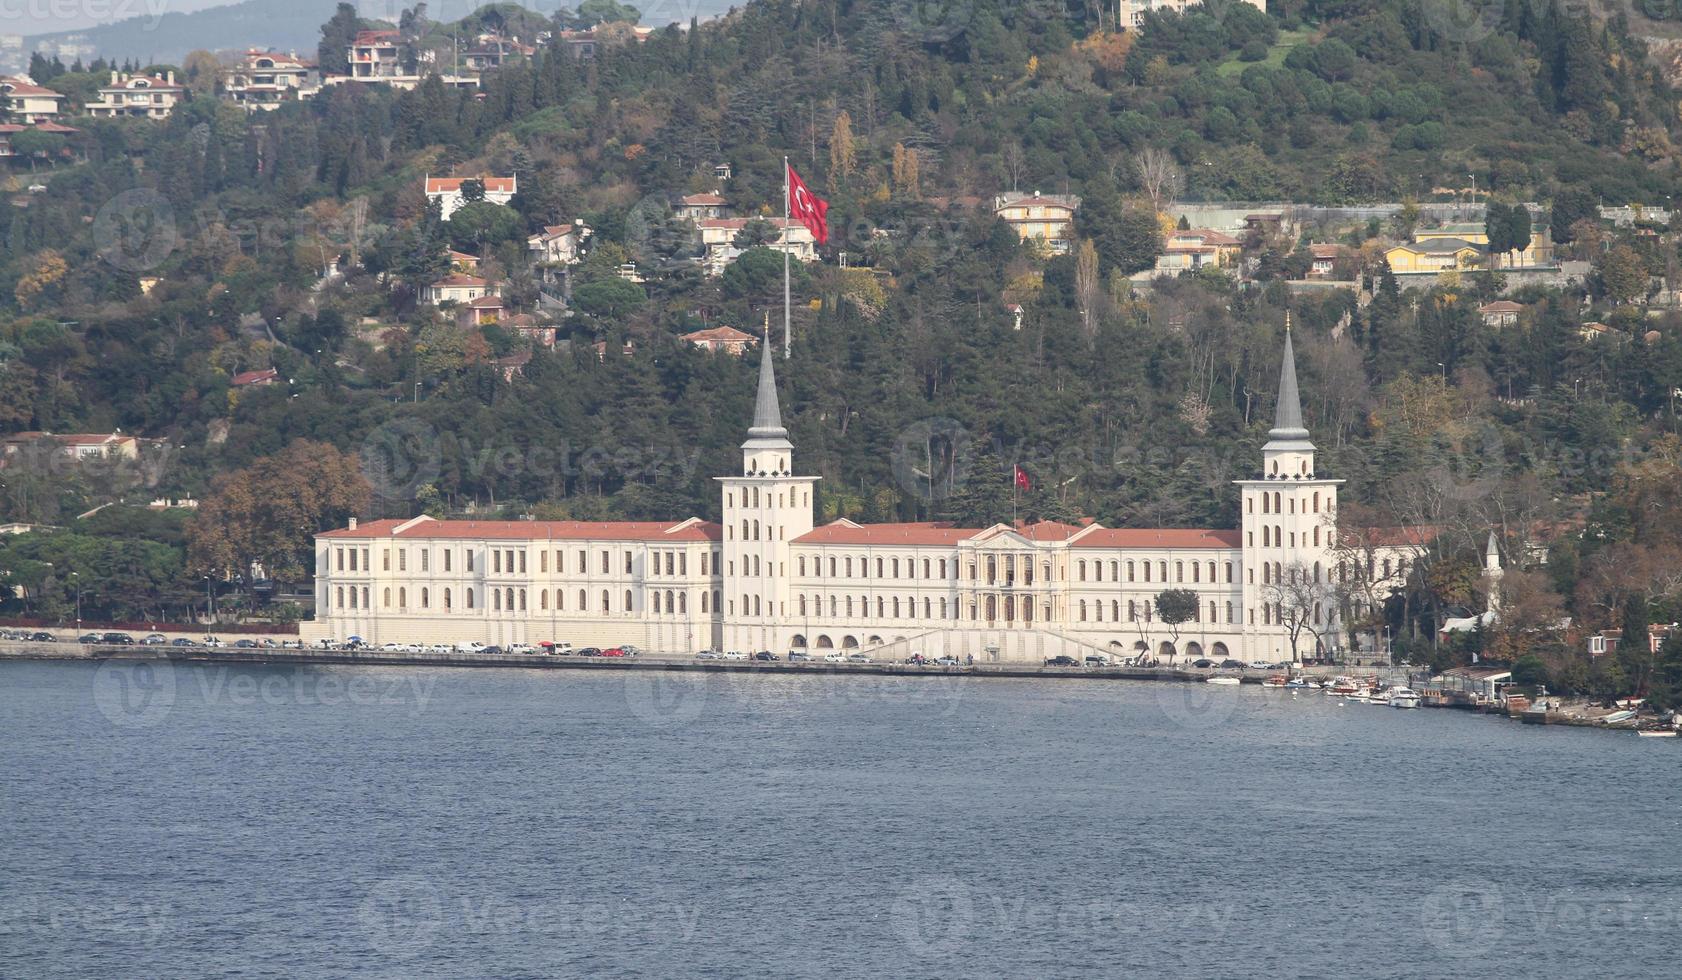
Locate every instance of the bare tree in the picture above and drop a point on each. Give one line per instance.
(1302, 602)
(1160, 177)
(1015, 163)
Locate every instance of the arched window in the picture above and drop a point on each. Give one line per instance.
(1097, 571)
(1229, 612)
(802, 566)
(1115, 610)
(1162, 566)
(426, 598)
(627, 600)
(470, 598)
(1316, 501)
(1080, 572)
(1229, 573)
(756, 607)
(341, 602)
(1132, 611)
(385, 597)
(1196, 574)
(1082, 610)
(1316, 535)
(402, 598)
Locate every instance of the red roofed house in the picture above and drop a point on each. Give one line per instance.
(1323, 259)
(458, 288)
(28, 103)
(447, 192)
(562, 244)
(485, 310)
(77, 446)
(695, 207)
(1501, 313)
(376, 54)
(246, 379)
(767, 578)
(719, 236)
(726, 339)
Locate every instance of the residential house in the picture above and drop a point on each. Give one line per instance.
(1501, 313)
(1190, 250)
(514, 365)
(1433, 255)
(28, 103)
(457, 288)
(463, 262)
(447, 192)
(263, 378)
(1594, 330)
(728, 340)
(264, 79)
(491, 51)
(559, 244)
(377, 54)
(583, 44)
(719, 237)
(1322, 260)
(1046, 218)
(532, 329)
(485, 310)
(1539, 252)
(1603, 642)
(1131, 13)
(140, 96)
(80, 446)
(696, 207)
(8, 130)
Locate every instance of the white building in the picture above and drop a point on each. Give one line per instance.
(559, 244)
(144, 96)
(447, 191)
(264, 79)
(458, 288)
(1132, 12)
(719, 237)
(766, 579)
(28, 103)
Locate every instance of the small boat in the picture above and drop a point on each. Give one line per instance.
(1276, 680)
(1224, 681)
(1344, 685)
(1359, 697)
(1657, 733)
(1404, 697)
(1381, 697)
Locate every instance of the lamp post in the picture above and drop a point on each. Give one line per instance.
(78, 577)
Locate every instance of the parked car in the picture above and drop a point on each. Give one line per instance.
(735, 655)
(153, 640)
(245, 644)
(182, 641)
(1203, 664)
(630, 651)
(1260, 665)
(557, 649)
(42, 636)
(589, 652)
(947, 661)
(614, 652)
(1061, 661)
(521, 648)
(706, 655)
(858, 658)
(796, 657)
(1233, 665)
(216, 641)
(833, 658)
(1096, 661)
(90, 638)
(764, 655)
(491, 651)
(118, 639)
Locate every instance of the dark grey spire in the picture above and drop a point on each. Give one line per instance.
(1287, 418)
(767, 415)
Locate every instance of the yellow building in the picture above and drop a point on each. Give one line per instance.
(1433, 255)
(1538, 253)
(1048, 218)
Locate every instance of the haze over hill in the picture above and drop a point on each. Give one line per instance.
(162, 31)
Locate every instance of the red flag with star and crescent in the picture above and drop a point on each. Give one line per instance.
(807, 208)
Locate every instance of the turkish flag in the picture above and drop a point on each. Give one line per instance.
(807, 208)
(1022, 478)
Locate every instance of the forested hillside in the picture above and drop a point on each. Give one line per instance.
(1134, 407)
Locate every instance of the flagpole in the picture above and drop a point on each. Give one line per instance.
(787, 319)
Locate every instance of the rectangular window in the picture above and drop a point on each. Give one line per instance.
(522, 563)
(385, 559)
(366, 565)
(341, 553)
(446, 559)
(543, 562)
(469, 559)
(402, 559)
(496, 561)
(426, 559)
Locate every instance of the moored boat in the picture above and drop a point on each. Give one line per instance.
(1276, 680)
(1225, 681)
(1404, 697)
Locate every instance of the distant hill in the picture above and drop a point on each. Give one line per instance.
(283, 25)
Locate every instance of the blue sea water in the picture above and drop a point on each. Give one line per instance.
(204, 820)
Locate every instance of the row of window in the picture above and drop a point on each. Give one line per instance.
(513, 561)
(1275, 506)
(750, 496)
(1143, 608)
(515, 600)
(1273, 537)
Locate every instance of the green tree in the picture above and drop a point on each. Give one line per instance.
(481, 225)
(1622, 272)
(1571, 205)
(337, 36)
(1176, 607)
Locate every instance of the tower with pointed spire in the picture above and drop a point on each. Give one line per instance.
(1287, 531)
(765, 508)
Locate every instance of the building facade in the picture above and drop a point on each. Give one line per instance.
(1044, 218)
(766, 578)
(143, 96)
(265, 79)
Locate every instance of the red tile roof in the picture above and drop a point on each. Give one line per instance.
(493, 185)
(426, 527)
(255, 377)
(366, 38)
(1166, 537)
(457, 279)
(704, 200)
(720, 335)
(847, 532)
(14, 85)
